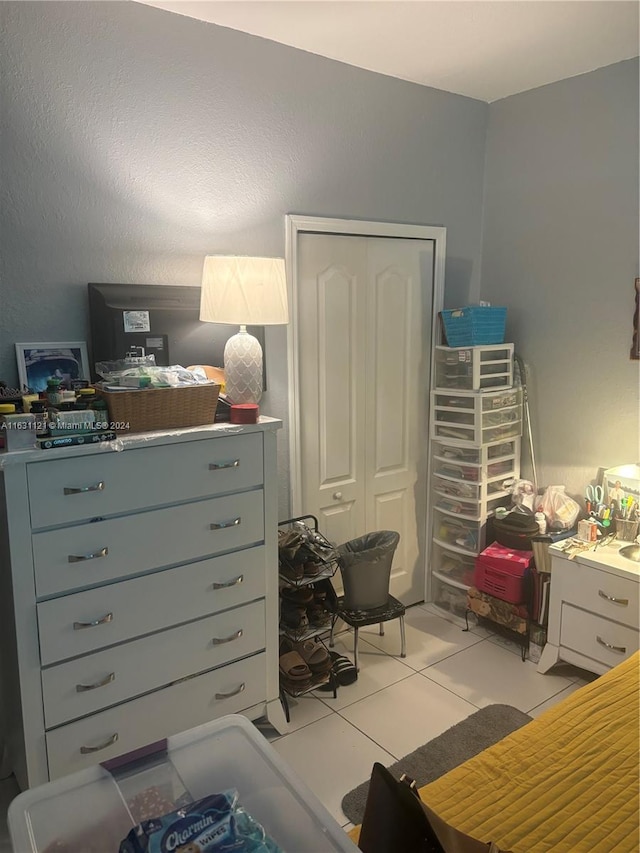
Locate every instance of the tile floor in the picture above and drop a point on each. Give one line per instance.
(398, 704)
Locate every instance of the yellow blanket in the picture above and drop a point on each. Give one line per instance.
(568, 782)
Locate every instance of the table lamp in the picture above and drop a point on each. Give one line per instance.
(244, 291)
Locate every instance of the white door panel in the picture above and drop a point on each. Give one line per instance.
(331, 320)
(365, 319)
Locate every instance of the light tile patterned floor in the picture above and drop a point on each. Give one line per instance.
(398, 704)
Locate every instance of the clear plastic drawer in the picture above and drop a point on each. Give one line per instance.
(478, 368)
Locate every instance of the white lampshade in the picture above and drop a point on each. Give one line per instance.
(243, 291)
(248, 291)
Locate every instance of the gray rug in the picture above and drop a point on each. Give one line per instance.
(464, 740)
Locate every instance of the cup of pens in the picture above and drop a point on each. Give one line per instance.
(626, 529)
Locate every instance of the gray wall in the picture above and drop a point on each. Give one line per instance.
(135, 141)
(560, 249)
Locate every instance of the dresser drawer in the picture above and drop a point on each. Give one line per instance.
(88, 684)
(227, 690)
(601, 592)
(91, 554)
(108, 483)
(150, 603)
(596, 637)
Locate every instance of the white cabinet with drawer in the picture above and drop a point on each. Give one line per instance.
(138, 593)
(594, 613)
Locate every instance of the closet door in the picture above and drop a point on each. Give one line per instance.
(398, 340)
(332, 286)
(364, 319)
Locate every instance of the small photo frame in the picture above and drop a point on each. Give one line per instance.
(39, 361)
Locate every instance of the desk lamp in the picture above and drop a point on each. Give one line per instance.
(244, 291)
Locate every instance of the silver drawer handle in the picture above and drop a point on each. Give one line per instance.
(623, 601)
(82, 688)
(220, 641)
(227, 584)
(85, 750)
(78, 558)
(218, 466)
(229, 695)
(80, 490)
(220, 525)
(621, 649)
(108, 617)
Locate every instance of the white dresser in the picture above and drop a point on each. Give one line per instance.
(138, 593)
(594, 611)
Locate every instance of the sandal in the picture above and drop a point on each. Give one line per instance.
(344, 671)
(293, 668)
(300, 596)
(293, 616)
(312, 569)
(315, 655)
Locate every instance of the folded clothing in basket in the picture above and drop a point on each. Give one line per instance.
(215, 823)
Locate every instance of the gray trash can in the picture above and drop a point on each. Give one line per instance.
(365, 565)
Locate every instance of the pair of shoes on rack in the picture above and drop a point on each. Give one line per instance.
(344, 671)
(303, 553)
(302, 664)
(303, 608)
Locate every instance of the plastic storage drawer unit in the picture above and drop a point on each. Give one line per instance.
(481, 368)
(448, 597)
(469, 418)
(451, 566)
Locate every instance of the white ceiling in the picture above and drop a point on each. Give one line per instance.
(486, 49)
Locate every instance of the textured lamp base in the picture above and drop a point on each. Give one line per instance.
(243, 368)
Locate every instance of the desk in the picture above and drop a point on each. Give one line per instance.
(594, 611)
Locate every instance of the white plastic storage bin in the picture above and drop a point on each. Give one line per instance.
(472, 418)
(464, 536)
(478, 368)
(450, 566)
(478, 455)
(448, 597)
(226, 753)
(467, 509)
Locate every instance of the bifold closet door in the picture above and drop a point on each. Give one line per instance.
(364, 321)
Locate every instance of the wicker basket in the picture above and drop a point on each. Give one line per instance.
(142, 410)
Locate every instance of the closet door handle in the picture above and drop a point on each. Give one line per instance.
(108, 617)
(232, 693)
(622, 601)
(220, 525)
(80, 490)
(86, 750)
(82, 688)
(79, 558)
(621, 649)
(220, 641)
(227, 584)
(219, 466)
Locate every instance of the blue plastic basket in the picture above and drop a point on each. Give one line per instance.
(474, 325)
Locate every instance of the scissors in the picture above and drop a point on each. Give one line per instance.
(594, 496)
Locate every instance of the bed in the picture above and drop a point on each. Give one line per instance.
(567, 782)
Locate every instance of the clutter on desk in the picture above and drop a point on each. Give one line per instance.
(560, 509)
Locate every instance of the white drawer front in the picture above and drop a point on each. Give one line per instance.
(596, 637)
(600, 592)
(149, 603)
(109, 483)
(85, 685)
(157, 715)
(91, 554)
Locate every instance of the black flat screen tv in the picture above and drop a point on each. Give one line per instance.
(162, 319)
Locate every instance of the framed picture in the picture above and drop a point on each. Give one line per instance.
(38, 362)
